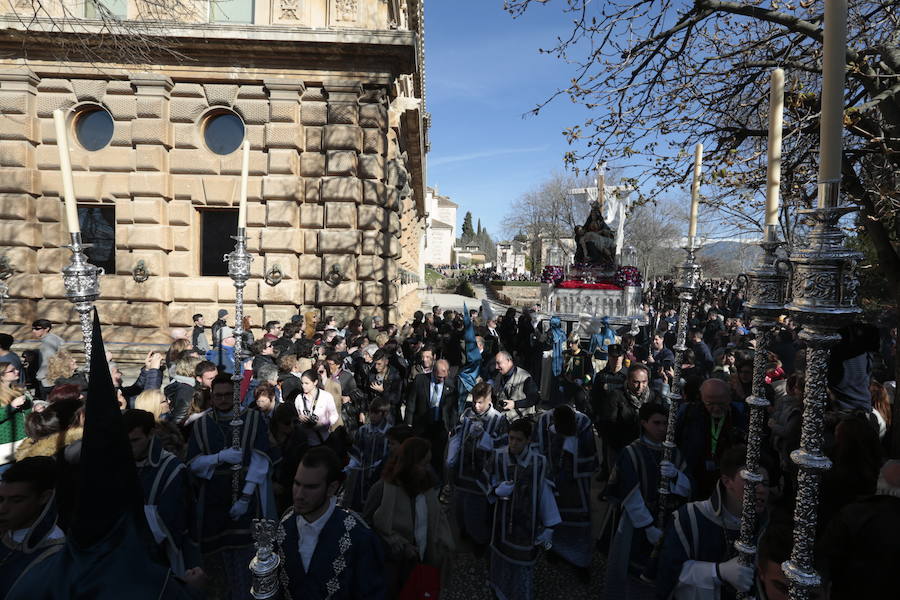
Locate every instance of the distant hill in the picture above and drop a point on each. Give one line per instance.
(727, 259)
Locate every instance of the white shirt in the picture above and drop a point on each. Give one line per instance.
(308, 533)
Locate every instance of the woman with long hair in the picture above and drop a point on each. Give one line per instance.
(15, 405)
(174, 352)
(881, 407)
(156, 403)
(62, 369)
(316, 409)
(409, 517)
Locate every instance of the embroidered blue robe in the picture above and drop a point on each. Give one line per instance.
(571, 474)
(347, 564)
(469, 463)
(164, 481)
(369, 451)
(212, 434)
(41, 542)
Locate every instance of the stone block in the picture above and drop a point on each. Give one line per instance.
(188, 90)
(14, 103)
(226, 291)
(371, 166)
(286, 292)
(374, 141)
(16, 154)
(150, 211)
(52, 287)
(282, 161)
(150, 158)
(346, 263)
(392, 198)
(283, 135)
(149, 184)
(56, 311)
(25, 285)
(373, 292)
(346, 293)
(53, 235)
(369, 267)
(113, 287)
(180, 315)
(156, 289)
(374, 192)
(256, 214)
(253, 111)
(122, 108)
(186, 136)
(312, 164)
(313, 113)
(16, 207)
(46, 157)
(23, 259)
(147, 314)
(373, 115)
(278, 313)
(180, 212)
(344, 113)
(341, 162)
(155, 261)
(371, 217)
(256, 135)
(311, 241)
(281, 213)
(148, 237)
(182, 238)
(287, 262)
(394, 224)
(284, 112)
(371, 242)
(48, 209)
(89, 89)
(281, 240)
(19, 181)
(17, 127)
(25, 234)
(281, 186)
(312, 191)
(390, 247)
(182, 264)
(391, 269)
(124, 210)
(313, 139)
(340, 214)
(338, 242)
(251, 92)
(219, 191)
(195, 289)
(187, 110)
(342, 189)
(220, 94)
(343, 137)
(151, 131)
(309, 267)
(312, 216)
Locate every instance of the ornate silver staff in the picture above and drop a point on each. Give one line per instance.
(239, 261)
(765, 302)
(264, 566)
(81, 279)
(686, 288)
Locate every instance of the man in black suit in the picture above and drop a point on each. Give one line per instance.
(431, 410)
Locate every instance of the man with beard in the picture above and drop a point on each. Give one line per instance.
(617, 416)
(482, 429)
(698, 558)
(328, 552)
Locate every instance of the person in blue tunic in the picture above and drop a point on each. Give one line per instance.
(634, 489)
(28, 530)
(698, 560)
(525, 514)
(603, 336)
(164, 483)
(223, 522)
(108, 547)
(566, 439)
(367, 456)
(482, 430)
(328, 552)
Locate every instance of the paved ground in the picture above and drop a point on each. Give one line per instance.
(452, 301)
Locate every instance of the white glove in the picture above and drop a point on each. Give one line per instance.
(653, 534)
(239, 508)
(505, 489)
(668, 470)
(545, 539)
(232, 456)
(740, 576)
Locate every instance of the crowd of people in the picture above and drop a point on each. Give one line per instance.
(384, 451)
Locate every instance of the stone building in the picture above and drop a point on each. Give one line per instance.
(330, 95)
(440, 229)
(511, 258)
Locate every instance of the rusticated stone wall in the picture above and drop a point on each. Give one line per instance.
(326, 188)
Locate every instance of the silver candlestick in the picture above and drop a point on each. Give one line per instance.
(687, 289)
(81, 280)
(239, 261)
(264, 566)
(824, 293)
(765, 302)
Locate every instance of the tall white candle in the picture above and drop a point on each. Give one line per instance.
(833, 69)
(773, 173)
(65, 167)
(695, 193)
(245, 171)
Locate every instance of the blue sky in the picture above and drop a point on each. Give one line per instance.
(483, 72)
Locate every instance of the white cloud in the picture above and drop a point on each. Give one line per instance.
(443, 160)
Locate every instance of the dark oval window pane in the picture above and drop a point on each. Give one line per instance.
(94, 129)
(224, 133)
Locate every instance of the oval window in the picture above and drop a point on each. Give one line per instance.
(223, 132)
(94, 128)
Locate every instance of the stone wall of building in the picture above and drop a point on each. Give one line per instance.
(326, 189)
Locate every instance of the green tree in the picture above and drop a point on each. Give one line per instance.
(468, 232)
